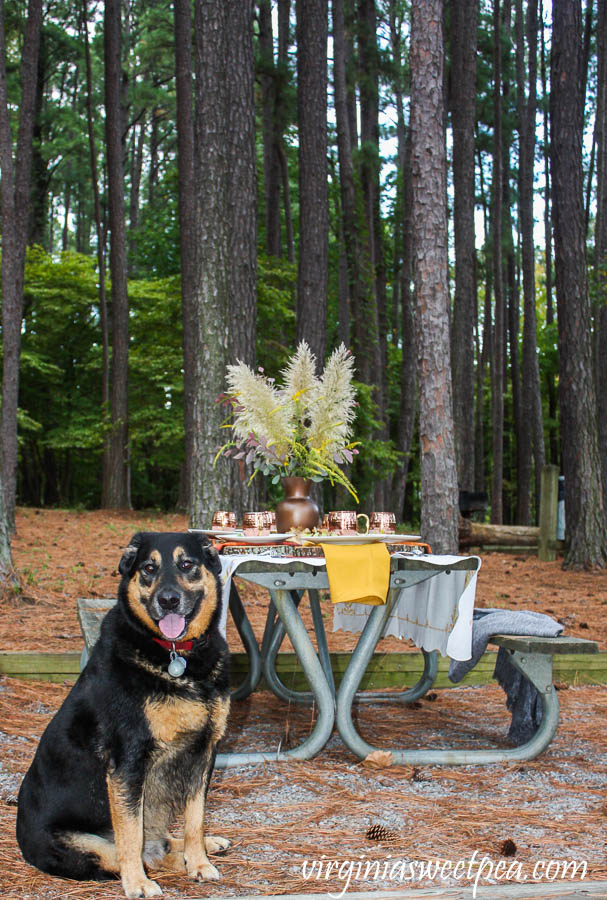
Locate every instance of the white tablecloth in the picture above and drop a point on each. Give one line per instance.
(435, 615)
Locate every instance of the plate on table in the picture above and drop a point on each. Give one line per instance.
(370, 538)
(257, 538)
(217, 532)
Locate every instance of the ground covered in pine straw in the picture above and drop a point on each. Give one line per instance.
(287, 819)
(279, 816)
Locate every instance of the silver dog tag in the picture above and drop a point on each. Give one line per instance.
(177, 665)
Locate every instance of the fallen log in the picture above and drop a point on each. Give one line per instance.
(477, 534)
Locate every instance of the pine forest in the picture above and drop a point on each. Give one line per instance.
(190, 185)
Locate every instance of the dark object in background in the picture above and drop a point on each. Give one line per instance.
(473, 501)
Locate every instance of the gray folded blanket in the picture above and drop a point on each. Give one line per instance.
(522, 698)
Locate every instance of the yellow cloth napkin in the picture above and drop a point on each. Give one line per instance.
(358, 573)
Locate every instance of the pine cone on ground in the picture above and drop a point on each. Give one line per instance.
(380, 833)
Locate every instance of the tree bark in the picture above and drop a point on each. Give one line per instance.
(241, 182)
(586, 524)
(116, 487)
(103, 312)
(271, 161)
(225, 282)
(313, 271)
(210, 487)
(533, 431)
(242, 212)
(484, 347)
(474, 534)
(439, 520)
(600, 245)
(136, 171)
(8, 579)
(188, 227)
(408, 323)
(368, 59)
(16, 180)
(550, 385)
(497, 381)
(464, 25)
(359, 275)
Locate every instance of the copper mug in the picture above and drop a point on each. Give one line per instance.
(255, 524)
(345, 521)
(270, 520)
(383, 522)
(223, 519)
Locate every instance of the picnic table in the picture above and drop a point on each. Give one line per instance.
(430, 597)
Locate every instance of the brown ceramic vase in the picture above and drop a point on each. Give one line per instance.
(297, 511)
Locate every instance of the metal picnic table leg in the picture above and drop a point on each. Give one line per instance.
(320, 688)
(419, 689)
(275, 637)
(269, 627)
(243, 626)
(278, 687)
(536, 667)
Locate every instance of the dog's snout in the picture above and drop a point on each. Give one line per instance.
(168, 599)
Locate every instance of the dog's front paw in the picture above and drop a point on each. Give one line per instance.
(214, 844)
(203, 872)
(141, 887)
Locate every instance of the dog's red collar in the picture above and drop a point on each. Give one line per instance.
(179, 645)
(175, 645)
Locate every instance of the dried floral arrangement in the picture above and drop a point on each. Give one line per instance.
(300, 428)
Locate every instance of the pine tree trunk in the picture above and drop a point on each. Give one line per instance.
(554, 455)
(368, 56)
(406, 309)
(313, 272)
(103, 312)
(242, 211)
(136, 170)
(116, 487)
(8, 579)
(497, 381)
(224, 300)
(271, 161)
(210, 487)
(484, 352)
(439, 523)
(359, 276)
(532, 401)
(242, 182)
(464, 25)
(586, 524)
(15, 209)
(38, 227)
(188, 227)
(600, 251)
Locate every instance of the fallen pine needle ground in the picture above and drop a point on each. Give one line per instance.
(288, 822)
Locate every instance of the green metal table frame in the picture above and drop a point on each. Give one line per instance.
(286, 584)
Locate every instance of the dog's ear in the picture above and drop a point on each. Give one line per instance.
(127, 563)
(210, 556)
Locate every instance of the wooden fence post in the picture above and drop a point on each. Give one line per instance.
(548, 513)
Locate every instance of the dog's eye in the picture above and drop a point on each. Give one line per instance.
(186, 565)
(149, 568)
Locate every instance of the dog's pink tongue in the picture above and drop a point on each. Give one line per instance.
(172, 625)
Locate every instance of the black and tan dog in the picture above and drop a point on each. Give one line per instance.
(133, 745)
